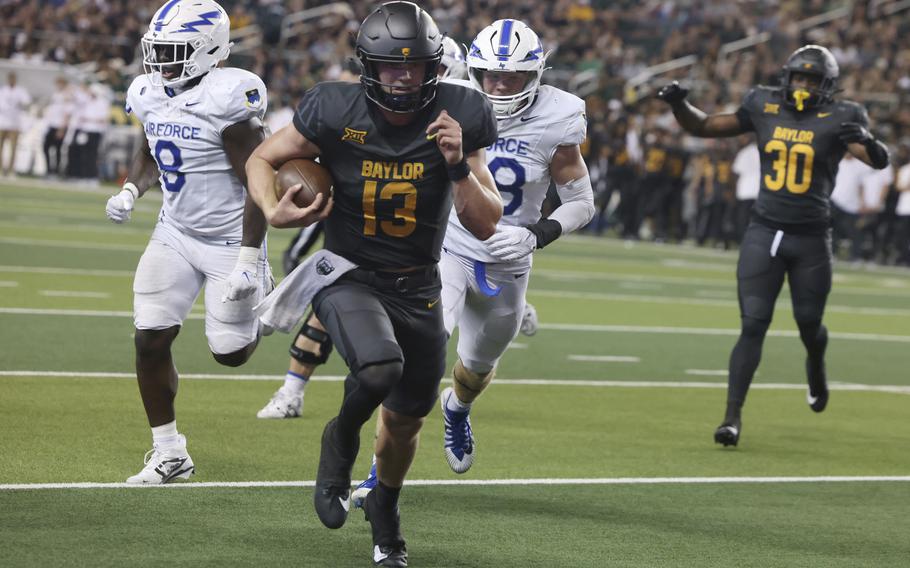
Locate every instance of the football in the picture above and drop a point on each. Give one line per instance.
(314, 177)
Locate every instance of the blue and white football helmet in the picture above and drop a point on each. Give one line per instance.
(453, 60)
(508, 46)
(185, 39)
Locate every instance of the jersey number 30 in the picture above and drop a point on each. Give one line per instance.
(167, 154)
(786, 166)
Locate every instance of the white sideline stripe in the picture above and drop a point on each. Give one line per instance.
(478, 482)
(551, 326)
(70, 244)
(708, 372)
(73, 271)
(713, 331)
(898, 389)
(8, 283)
(605, 358)
(72, 294)
(644, 299)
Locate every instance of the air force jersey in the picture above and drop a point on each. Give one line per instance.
(519, 160)
(202, 194)
(392, 193)
(800, 152)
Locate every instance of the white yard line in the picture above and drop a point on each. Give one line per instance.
(480, 482)
(604, 358)
(551, 326)
(71, 271)
(8, 284)
(73, 294)
(656, 383)
(70, 244)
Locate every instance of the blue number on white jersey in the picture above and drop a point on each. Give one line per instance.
(171, 166)
(515, 187)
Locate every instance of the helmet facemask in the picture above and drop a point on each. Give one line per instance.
(810, 96)
(507, 106)
(407, 99)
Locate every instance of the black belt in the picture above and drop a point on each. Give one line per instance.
(396, 281)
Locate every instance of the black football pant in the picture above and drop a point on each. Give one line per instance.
(767, 256)
(389, 330)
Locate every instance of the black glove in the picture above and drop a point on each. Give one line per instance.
(854, 133)
(672, 93)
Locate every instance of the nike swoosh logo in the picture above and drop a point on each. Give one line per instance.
(824, 114)
(527, 118)
(189, 104)
(345, 504)
(378, 555)
(433, 303)
(231, 243)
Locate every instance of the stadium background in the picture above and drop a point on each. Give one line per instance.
(612, 53)
(595, 442)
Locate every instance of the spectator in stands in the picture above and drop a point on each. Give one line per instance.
(846, 201)
(747, 167)
(14, 101)
(56, 118)
(875, 188)
(902, 211)
(89, 123)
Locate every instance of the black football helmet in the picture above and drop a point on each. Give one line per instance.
(399, 32)
(812, 60)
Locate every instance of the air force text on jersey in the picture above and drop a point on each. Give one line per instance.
(172, 130)
(511, 146)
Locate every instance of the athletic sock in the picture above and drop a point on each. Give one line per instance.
(386, 497)
(294, 383)
(453, 404)
(165, 435)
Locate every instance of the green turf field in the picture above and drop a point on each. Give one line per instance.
(594, 445)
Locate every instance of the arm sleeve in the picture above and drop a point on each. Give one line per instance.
(308, 115)
(744, 112)
(483, 131)
(246, 99)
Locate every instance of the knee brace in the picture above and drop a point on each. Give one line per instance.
(468, 384)
(319, 336)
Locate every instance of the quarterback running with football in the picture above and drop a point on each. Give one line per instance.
(200, 123)
(802, 133)
(403, 151)
(485, 281)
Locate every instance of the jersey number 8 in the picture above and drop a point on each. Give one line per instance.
(171, 177)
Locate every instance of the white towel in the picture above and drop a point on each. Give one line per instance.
(284, 307)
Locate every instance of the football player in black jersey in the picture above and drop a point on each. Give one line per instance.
(402, 149)
(802, 133)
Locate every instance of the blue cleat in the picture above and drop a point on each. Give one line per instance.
(367, 485)
(459, 440)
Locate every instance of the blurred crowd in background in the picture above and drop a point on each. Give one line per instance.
(651, 182)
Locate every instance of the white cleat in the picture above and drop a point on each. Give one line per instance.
(529, 321)
(164, 465)
(284, 404)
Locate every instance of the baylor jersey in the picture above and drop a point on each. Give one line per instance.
(800, 152)
(391, 191)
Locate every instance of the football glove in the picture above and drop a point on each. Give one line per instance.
(243, 281)
(672, 93)
(511, 243)
(853, 132)
(120, 206)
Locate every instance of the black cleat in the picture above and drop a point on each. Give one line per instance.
(727, 433)
(818, 385)
(333, 479)
(817, 403)
(388, 545)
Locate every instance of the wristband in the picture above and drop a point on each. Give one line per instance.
(878, 153)
(546, 231)
(131, 187)
(248, 255)
(459, 171)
